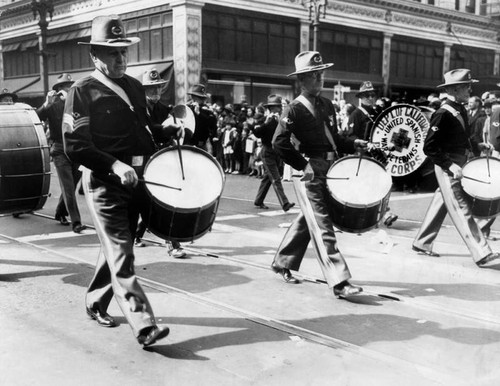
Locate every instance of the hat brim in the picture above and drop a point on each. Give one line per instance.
(273, 104)
(61, 83)
(8, 94)
(312, 68)
(159, 83)
(455, 83)
(114, 42)
(357, 95)
(198, 94)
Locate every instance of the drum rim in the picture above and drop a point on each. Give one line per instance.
(492, 159)
(343, 202)
(196, 150)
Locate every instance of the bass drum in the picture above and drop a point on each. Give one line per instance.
(24, 160)
(360, 188)
(484, 195)
(188, 213)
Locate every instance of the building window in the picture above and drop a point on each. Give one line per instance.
(414, 59)
(250, 39)
(351, 50)
(479, 61)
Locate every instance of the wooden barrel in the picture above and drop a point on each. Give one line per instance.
(24, 160)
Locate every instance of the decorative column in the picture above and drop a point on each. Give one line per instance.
(386, 62)
(446, 57)
(44, 9)
(496, 63)
(186, 15)
(305, 35)
(2, 74)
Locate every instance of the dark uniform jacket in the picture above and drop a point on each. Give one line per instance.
(206, 124)
(54, 115)
(447, 141)
(298, 123)
(360, 122)
(100, 127)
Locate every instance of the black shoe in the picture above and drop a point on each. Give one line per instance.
(62, 219)
(288, 206)
(102, 319)
(77, 227)
(390, 219)
(346, 289)
(425, 251)
(151, 335)
(261, 206)
(285, 274)
(492, 256)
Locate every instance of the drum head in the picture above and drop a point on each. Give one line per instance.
(203, 182)
(477, 168)
(362, 187)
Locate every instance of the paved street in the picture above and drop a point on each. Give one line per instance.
(421, 320)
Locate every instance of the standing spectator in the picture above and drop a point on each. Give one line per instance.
(205, 121)
(476, 116)
(361, 120)
(273, 165)
(52, 111)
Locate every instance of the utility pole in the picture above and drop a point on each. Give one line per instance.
(43, 8)
(315, 8)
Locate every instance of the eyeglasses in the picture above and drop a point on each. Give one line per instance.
(371, 95)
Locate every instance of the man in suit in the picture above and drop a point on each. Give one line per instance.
(107, 130)
(309, 123)
(271, 160)
(476, 117)
(448, 146)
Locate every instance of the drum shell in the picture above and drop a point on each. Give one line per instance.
(24, 160)
(356, 217)
(171, 222)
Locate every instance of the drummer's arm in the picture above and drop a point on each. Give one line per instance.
(282, 141)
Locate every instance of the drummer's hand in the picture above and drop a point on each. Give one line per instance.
(127, 174)
(485, 146)
(172, 130)
(51, 97)
(308, 173)
(457, 171)
(360, 143)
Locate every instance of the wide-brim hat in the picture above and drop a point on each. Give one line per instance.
(365, 88)
(457, 76)
(198, 90)
(308, 61)
(5, 93)
(152, 78)
(63, 79)
(109, 31)
(273, 100)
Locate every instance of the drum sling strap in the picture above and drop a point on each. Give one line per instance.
(308, 105)
(118, 91)
(458, 116)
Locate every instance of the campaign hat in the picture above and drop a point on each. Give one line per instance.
(152, 78)
(365, 88)
(273, 100)
(457, 76)
(62, 79)
(198, 90)
(109, 31)
(308, 61)
(5, 93)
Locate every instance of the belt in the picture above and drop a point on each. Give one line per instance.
(326, 155)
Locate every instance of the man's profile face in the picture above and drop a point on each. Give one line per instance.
(313, 82)
(153, 93)
(111, 61)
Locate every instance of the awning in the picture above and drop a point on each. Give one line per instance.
(36, 88)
